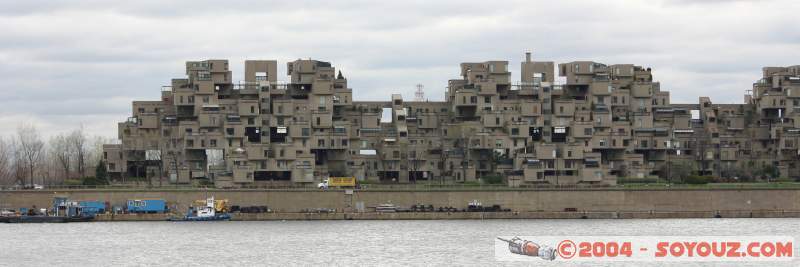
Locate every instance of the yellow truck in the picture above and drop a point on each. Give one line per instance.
(220, 205)
(337, 182)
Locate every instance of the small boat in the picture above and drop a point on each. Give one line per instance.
(388, 207)
(207, 212)
(63, 211)
(45, 219)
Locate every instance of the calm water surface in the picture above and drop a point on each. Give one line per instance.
(348, 243)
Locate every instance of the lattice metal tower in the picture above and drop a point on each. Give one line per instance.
(419, 95)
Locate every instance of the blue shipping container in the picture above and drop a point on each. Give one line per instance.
(147, 206)
(93, 207)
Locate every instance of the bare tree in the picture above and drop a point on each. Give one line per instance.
(6, 159)
(94, 152)
(31, 147)
(77, 140)
(61, 151)
(17, 168)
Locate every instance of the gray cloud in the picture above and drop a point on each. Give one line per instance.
(64, 63)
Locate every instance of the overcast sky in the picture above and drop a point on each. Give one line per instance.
(65, 63)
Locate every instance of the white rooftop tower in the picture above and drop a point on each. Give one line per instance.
(419, 95)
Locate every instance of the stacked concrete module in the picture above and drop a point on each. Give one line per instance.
(602, 123)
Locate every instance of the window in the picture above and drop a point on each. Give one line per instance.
(213, 142)
(321, 142)
(261, 76)
(344, 142)
(587, 131)
(205, 99)
(514, 131)
(229, 131)
(497, 120)
(473, 99)
(305, 132)
(487, 99)
(203, 75)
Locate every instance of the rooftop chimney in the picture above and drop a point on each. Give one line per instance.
(528, 56)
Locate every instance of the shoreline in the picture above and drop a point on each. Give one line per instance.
(523, 204)
(299, 216)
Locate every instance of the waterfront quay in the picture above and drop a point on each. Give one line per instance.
(355, 204)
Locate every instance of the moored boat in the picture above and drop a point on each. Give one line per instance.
(45, 219)
(211, 211)
(63, 211)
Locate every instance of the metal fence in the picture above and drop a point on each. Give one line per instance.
(418, 187)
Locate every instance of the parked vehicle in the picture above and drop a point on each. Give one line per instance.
(388, 207)
(337, 182)
(6, 212)
(147, 206)
(93, 207)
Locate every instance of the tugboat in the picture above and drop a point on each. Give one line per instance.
(64, 211)
(209, 211)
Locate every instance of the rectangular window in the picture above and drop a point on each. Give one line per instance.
(261, 76)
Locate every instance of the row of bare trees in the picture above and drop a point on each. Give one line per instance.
(26, 158)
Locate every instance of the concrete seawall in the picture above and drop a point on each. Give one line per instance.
(597, 203)
(279, 216)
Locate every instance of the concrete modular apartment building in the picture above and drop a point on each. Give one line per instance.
(604, 122)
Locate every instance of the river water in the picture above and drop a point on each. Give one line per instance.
(344, 243)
